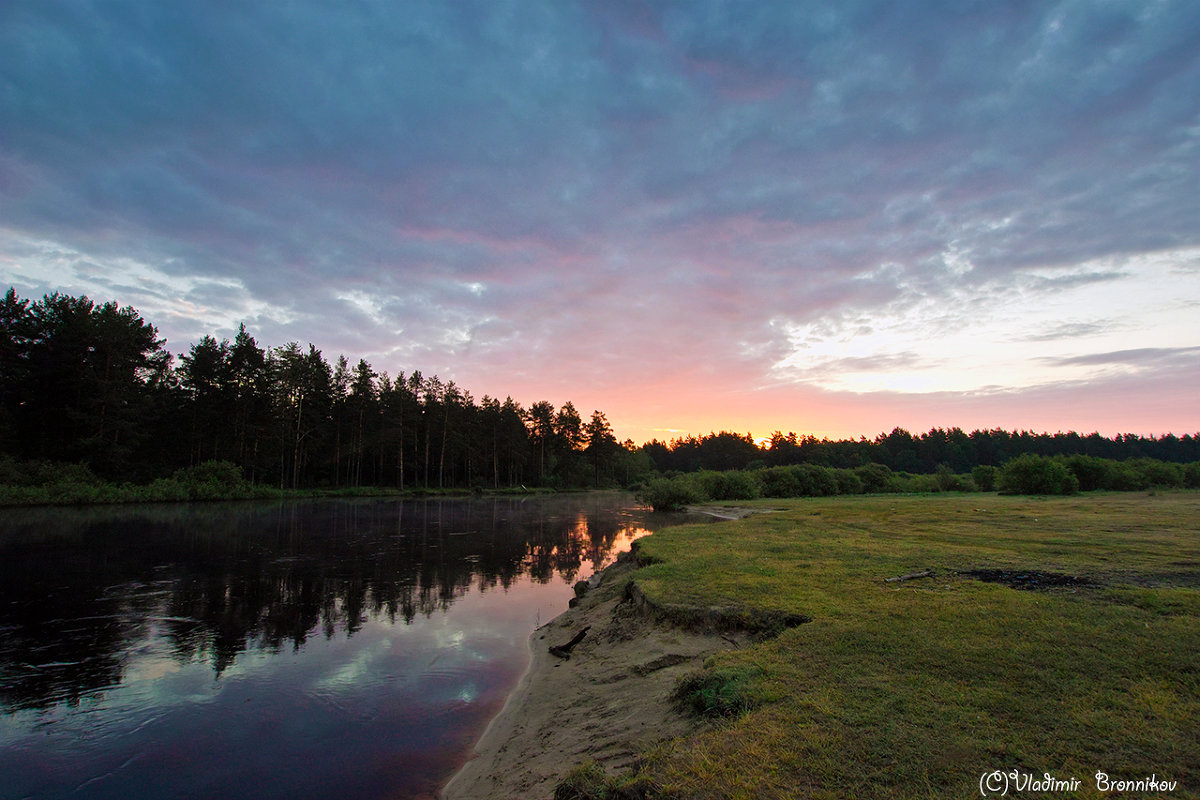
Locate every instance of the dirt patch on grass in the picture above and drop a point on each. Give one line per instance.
(1031, 580)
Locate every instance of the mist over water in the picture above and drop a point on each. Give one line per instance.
(348, 648)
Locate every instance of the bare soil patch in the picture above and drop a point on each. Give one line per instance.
(1030, 580)
(608, 701)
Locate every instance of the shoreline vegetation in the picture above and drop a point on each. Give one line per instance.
(1027, 474)
(94, 408)
(213, 481)
(874, 646)
(47, 483)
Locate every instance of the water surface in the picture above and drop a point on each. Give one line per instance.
(349, 649)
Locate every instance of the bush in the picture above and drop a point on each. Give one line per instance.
(1159, 474)
(985, 477)
(1191, 475)
(1122, 477)
(209, 480)
(731, 484)
(779, 482)
(798, 480)
(908, 483)
(875, 478)
(848, 481)
(45, 473)
(1091, 472)
(1031, 474)
(816, 481)
(211, 473)
(11, 473)
(669, 494)
(167, 490)
(1125, 476)
(948, 481)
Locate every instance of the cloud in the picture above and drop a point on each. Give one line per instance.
(1070, 330)
(1158, 357)
(563, 194)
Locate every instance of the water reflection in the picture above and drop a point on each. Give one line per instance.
(77, 585)
(236, 638)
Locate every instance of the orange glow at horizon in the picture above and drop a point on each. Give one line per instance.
(838, 417)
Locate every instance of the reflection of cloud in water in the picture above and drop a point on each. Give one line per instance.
(240, 627)
(362, 665)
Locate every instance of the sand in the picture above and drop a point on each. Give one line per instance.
(608, 702)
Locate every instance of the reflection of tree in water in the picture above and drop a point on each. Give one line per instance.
(79, 588)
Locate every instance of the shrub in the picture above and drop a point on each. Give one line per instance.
(848, 481)
(908, 483)
(1032, 474)
(45, 473)
(1091, 472)
(213, 473)
(948, 481)
(779, 482)
(875, 477)
(167, 490)
(669, 494)
(66, 492)
(11, 473)
(1157, 473)
(985, 477)
(816, 481)
(734, 484)
(211, 480)
(1191, 475)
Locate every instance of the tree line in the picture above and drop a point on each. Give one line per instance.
(92, 384)
(901, 451)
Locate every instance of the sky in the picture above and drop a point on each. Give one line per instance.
(833, 218)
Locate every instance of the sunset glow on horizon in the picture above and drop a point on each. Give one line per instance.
(828, 218)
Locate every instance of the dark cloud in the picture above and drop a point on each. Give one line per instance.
(504, 185)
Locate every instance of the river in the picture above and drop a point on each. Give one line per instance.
(304, 649)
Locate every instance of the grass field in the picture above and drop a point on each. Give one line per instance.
(916, 688)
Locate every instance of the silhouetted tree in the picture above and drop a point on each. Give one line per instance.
(541, 425)
(601, 446)
(303, 384)
(92, 384)
(88, 376)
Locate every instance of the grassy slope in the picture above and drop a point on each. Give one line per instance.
(914, 689)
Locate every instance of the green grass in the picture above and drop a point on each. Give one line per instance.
(916, 688)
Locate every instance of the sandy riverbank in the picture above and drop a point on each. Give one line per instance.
(607, 703)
